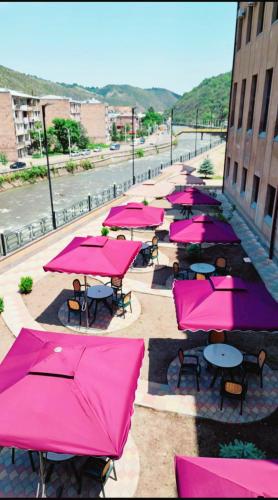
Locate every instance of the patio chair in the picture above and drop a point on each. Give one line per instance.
(221, 266)
(255, 366)
(146, 252)
(74, 306)
(153, 254)
(121, 237)
(123, 301)
(153, 242)
(189, 364)
(30, 453)
(98, 469)
(77, 288)
(215, 337)
(178, 274)
(116, 284)
(233, 390)
(199, 276)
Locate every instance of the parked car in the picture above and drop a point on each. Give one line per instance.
(18, 164)
(85, 152)
(113, 147)
(142, 140)
(76, 153)
(97, 150)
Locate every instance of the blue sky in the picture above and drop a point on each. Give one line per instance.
(173, 45)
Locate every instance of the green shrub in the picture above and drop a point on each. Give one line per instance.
(114, 228)
(240, 449)
(145, 202)
(3, 158)
(71, 166)
(2, 180)
(194, 251)
(25, 284)
(175, 142)
(139, 153)
(86, 164)
(206, 168)
(1, 305)
(104, 231)
(37, 155)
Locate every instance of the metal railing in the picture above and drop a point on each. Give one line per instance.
(13, 240)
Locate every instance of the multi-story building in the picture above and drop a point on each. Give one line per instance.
(18, 114)
(251, 163)
(94, 118)
(122, 116)
(61, 107)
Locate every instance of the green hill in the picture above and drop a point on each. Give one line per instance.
(211, 95)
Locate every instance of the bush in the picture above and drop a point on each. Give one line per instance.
(37, 155)
(71, 166)
(104, 231)
(145, 202)
(2, 180)
(194, 251)
(139, 153)
(206, 168)
(3, 158)
(240, 449)
(1, 305)
(25, 284)
(86, 164)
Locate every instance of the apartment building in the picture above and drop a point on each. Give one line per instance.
(94, 117)
(61, 107)
(122, 116)
(251, 166)
(18, 114)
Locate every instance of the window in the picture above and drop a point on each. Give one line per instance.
(266, 99)
(243, 180)
(249, 24)
(276, 125)
(255, 190)
(275, 12)
(228, 166)
(261, 18)
(252, 102)
(235, 172)
(232, 120)
(241, 106)
(270, 197)
(239, 33)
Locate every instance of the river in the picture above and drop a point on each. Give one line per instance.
(25, 204)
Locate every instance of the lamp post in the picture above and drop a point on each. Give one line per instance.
(40, 141)
(171, 137)
(197, 111)
(48, 167)
(133, 145)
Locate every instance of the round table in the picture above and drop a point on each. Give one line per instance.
(202, 268)
(99, 293)
(222, 356)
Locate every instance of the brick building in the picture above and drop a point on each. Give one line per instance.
(61, 107)
(251, 166)
(94, 117)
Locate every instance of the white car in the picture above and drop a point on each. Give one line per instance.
(97, 150)
(75, 153)
(85, 152)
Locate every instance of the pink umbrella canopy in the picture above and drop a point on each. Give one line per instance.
(69, 393)
(191, 196)
(224, 303)
(201, 229)
(202, 477)
(98, 255)
(134, 215)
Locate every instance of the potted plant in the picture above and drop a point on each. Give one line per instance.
(25, 284)
(241, 449)
(1, 305)
(104, 231)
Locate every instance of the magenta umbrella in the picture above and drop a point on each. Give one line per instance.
(202, 477)
(134, 215)
(201, 229)
(224, 303)
(69, 393)
(191, 196)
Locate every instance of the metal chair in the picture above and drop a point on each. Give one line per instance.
(77, 288)
(233, 390)
(215, 337)
(99, 469)
(221, 266)
(116, 284)
(123, 302)
(178, 274)
(153, 254)
(192, 367)
(257, 366)
(74, 306)
(199, 276)
(30, 453)
(121, 237)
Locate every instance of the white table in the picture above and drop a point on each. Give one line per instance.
(100, 293)
(222, 356)
(202, 268)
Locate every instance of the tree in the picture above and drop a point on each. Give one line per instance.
(3, 158)
(206, 168)
(114, 132)
(70, 131)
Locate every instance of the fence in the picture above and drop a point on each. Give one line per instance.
(13, 240)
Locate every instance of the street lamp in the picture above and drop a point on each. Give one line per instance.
(40, 141)
(48, 167)
(197, 111)
(133, 145)
(171, 137)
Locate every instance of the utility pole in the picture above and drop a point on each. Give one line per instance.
(133, 145)
(48, 166)
(197, 111)
(171, 137)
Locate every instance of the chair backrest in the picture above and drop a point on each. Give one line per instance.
(155, 240)
(221, 262)
(181, 356)
(127, 298)
(261, 358)
(106, 468)
(215, 337)
(176, 268)
(116, 282)
(76, 285)
(74, 305)
(200, 276)
(233, 387)
(154, 252)
(121, 237)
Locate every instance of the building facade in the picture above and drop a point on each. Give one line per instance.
(251, 164)
(122, 117)
(61, 107)
(94, 118)
(18, 114)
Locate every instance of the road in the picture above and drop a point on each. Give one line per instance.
(26, 204)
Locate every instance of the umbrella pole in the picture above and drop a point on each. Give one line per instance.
(131, 233)
(41, 490)
(86, 302)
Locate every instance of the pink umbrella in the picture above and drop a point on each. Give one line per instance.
(224, 303)
(201, 229)
(192, 196)
(69, 393)
(134, 215)
(202, 477)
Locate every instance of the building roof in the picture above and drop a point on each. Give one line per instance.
(16, 93)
